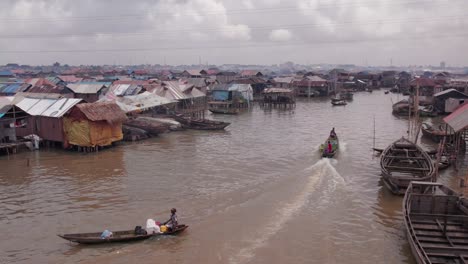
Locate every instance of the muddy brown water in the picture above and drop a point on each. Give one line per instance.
(255, 193)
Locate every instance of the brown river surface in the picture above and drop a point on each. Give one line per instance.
(256, 193)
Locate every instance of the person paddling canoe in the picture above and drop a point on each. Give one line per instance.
(173, 222)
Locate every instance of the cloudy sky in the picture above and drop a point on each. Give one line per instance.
(363, 32)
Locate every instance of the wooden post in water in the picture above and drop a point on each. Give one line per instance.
(374, 134)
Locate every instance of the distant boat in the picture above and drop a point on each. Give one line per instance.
(387, 92)
(324, 147)
(402, 162)
(428, 111)
(435, 219)
(201, 124)
(401, 108)
(337, 102)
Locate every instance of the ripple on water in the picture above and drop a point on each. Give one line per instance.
(214, 174)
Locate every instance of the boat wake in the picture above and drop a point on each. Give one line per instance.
(321, 170)
(343, 146)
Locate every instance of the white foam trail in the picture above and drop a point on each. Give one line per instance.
(286, 212)
(343, 146)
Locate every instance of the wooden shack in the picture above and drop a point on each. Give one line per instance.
(278, 97)
(92, 125)
(44, 117)
(89, 92)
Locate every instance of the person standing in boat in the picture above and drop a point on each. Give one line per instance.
(332, 133)
(173, 222)
(330, 147)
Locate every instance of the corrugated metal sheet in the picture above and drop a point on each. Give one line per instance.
(119, 89)
(283, 79)
(106, 84)
(277, 90)
(142, 101)
(458, 120)
(6, 73)
(70, 78)
(85, 88)
(175, 91)
(5, 105)
(47, 107)
(133, 90)
(14, 88)
(54, 80)
(455, 93)
(245, 89)
(60, 107)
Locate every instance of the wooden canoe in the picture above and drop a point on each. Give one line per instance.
(435, 219)
(201, 124)
(338, 102)
(117, 236)
(205, 124)
(324, 147)
(225, 111)
(434, 134)
(402, 162)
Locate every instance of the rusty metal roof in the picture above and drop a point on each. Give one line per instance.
(458, 120)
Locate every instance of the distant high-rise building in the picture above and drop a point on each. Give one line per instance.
(442, 64)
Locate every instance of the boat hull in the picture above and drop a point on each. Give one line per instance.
(225, 111)
(403, 162)
(436, 135)
(118, 236)
(335, 146)
(435, 220)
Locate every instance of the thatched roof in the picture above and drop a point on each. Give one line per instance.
(103, 111)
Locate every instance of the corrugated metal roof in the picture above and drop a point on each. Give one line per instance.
(283, 79)
(54, 80)
(5, 105)
(449, 91)
(133, 90)
(84, 88)
(47, 107)
(6, 73)
(119, 89)
(70, 78)
(194, 72)
(240, 87)
(106, 84)
(15, 88)
(141, 101)
(458, 120)
(277, 90)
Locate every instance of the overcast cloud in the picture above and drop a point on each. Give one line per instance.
(373, 32)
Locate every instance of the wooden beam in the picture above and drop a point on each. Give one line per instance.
(407, 168)
(444, 231)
